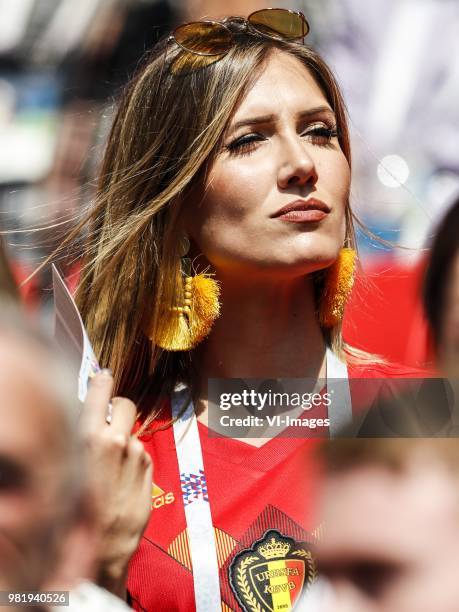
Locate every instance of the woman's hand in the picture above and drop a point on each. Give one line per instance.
(121, 475)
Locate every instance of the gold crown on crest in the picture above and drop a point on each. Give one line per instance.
(274, 549)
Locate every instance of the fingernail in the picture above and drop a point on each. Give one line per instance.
(106, 372)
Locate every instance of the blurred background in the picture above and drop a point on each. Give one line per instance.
(63, 63)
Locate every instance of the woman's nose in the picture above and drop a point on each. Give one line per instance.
(297, 167)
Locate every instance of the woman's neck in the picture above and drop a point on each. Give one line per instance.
(266, 330)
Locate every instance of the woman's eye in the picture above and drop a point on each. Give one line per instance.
(244, 145)
(321, 134)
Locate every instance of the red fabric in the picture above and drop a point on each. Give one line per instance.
(250, 490)
(30, 291)
(385, 314)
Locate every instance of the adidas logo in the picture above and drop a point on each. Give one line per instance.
(159, 498)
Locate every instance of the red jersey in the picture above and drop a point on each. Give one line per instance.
(261, 500)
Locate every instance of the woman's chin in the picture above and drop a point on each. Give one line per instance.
(276, 266)
(309, 263)
(294, 269)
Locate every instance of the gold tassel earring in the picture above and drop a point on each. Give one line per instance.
(338, 286)
(182, 327)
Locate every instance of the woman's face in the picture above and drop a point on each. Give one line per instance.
(280, 149)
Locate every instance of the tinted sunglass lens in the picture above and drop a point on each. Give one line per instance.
(203, 38)
(280, 22)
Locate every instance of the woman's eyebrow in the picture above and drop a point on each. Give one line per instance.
(272, 118)
(318, 110)
(254, 121)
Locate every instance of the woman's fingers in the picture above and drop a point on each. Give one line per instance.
(123, 415)
(138, 465)
(96, 407)
(94, 413)
(121, 474)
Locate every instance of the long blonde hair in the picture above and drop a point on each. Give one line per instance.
(167, 128)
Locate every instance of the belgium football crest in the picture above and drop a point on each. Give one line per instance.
(269, 577)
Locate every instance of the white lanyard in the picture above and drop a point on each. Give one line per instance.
(201, 536)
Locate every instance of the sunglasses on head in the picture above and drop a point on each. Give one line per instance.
(212, 38)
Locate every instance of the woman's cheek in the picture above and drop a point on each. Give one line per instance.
(232, 196)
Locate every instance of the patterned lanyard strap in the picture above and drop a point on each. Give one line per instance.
(201, 536)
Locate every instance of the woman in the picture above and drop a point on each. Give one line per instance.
(229, 150)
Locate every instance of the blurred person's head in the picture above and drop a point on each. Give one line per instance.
(390, 511)
(45, 511)
(441, 291)
(179, 161)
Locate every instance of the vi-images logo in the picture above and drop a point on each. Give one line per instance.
(159, 498)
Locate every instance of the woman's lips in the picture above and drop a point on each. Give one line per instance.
(303, 211)
(303, 216)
